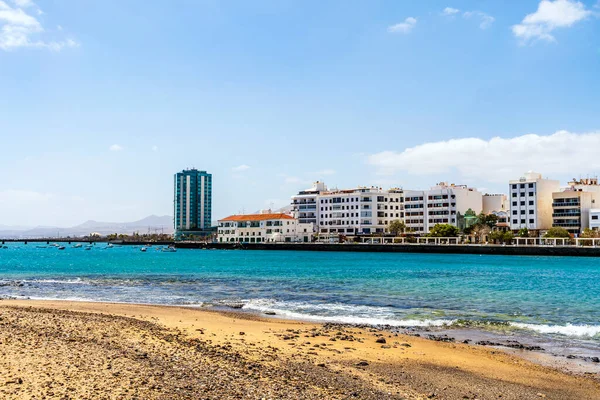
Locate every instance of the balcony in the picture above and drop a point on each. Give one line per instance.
(296, 202)
(567, 214)
(566, 224)
(566, 204)
(307, 207)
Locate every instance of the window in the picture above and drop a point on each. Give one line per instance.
(514, 186)
(530, 202)
(522, 203)
(531, 194)
(514, 195)
(522, 211)
(594, 217)
(531, 211)
(514, 203)
(531, 185)
(531, 221)
(515, 221)
(522, 186)
(514, 212)
(522, 221)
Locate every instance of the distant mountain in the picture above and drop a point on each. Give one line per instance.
(152, 224)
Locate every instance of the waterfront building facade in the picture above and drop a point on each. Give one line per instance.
(442, 204)
(363, 210)
(572, 206)
(192, 205)
(530, 199)
(264, 227)
(594, 218)
(494, 203)
(304, 204)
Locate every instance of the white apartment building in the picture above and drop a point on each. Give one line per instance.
(530, 200)
(442, 204)
(304, 204)
(594, 218)
(362, 210)
(263, 227)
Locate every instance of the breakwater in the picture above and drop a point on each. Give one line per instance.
(405, 248)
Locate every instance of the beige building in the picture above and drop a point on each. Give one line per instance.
(572, 207)
(530, 199)
(494, 203)
(262, 228)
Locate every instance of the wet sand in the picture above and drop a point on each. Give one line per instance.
(74, 350)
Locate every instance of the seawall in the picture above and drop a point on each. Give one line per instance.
(406, 248)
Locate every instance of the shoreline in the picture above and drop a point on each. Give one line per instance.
(351, 354)
(460, 249)
(576, 358)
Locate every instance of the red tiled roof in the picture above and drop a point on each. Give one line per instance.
(257, 217)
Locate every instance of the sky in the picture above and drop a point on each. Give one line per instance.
(101, 102)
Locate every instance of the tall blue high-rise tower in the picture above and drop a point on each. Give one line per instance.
(193, 201)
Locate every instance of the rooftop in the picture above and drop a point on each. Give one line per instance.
(257, 217)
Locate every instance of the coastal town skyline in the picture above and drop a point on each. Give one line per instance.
(87, 135)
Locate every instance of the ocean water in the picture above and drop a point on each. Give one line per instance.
(549, 297)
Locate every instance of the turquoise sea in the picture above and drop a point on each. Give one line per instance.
(549, 296)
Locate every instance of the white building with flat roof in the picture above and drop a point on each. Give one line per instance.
(363, 210)
(304, 204)
(594, 218)
(369, 210)
(442, 204)
(263, 227)
(530, 200)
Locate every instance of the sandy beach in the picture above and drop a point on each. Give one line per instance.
(76, 350)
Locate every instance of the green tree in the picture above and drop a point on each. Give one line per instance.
(557, 232)
(508, 237)
(487, 219)
(496, 236)
(590, 233)
(443, 230)
(396, 227)
(523, 232)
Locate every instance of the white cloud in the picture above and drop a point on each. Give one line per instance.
(241, 168)
(450, 11)
(549, 16)
(154, 148)
(326, 172)
(24, 3)
(20, 29)
(115, 147)
(497, 159)
(404, 27)
(485, 20)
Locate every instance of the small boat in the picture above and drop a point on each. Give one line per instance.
(110, 246)
(169, 249)
(77, 246)
(88, 248)
(41, 247)
(143, 249)
(61, 247)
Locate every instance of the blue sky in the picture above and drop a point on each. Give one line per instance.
(102, 102)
